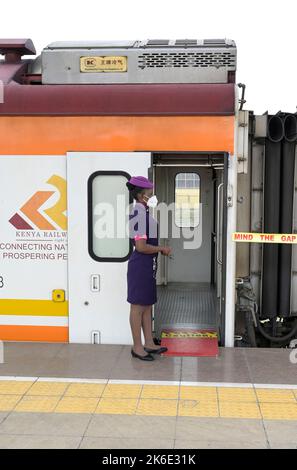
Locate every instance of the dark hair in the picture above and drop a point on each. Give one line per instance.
(134, 190)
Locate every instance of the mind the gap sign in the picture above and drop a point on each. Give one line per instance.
(250, 237)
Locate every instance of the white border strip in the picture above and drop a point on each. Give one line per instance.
(217, 384)
(73, 380)
(144, 382)
(148, 382)
(18, 379)
(283, 386)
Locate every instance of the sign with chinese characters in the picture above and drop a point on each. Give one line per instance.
(103, 64)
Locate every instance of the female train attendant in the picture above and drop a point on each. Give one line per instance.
(142, 268)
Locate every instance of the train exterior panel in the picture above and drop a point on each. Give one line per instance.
(71, 135)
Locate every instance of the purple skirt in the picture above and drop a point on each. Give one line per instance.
(141, 279)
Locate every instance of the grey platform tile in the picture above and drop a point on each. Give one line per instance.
(84, 360)
(259, 351)
(45, 424)
(81, 369)
(28, 359)
(3, 415)
(287, 445)
(120, 426)
(143, 442)
(213, 444)
(281, 432)
(230, 366)
(75, 350)
(24, 366)
(221, 430)
(150, 372)
(271, 366)
(162, 368)
(9, 441)
(31, 349)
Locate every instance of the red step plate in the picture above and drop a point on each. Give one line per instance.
(190, 342)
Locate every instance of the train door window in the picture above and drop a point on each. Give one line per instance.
(187, 197)
(108, 201)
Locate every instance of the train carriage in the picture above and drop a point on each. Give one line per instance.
(75, 123)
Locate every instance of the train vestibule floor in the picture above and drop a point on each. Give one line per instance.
(186, 305)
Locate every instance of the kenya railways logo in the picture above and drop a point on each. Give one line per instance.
(33, 207)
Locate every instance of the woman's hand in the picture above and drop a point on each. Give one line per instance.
(166, 250)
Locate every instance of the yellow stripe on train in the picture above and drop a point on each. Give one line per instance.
(33, 307)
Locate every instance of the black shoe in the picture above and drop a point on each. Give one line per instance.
(148, 357)
(157, 341)
(156, 351)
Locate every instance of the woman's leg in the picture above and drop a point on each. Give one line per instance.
(147, 328)
(136, 313)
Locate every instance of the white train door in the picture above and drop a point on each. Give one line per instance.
(99, 244)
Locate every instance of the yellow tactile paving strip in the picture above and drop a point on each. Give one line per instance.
(148, 400)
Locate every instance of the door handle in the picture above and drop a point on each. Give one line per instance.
(166, 265)
(219, 232)
(95, 283)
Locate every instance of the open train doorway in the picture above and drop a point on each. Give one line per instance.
(192, 221)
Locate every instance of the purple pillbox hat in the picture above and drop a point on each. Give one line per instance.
(141, 182)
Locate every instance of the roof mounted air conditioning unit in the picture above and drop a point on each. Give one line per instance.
(150, 61)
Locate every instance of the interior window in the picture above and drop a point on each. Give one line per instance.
(187, 198)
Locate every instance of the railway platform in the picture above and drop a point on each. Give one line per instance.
(55, 395)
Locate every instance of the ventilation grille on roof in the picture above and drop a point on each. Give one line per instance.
(158, 42)
(215, 42)
(186, 42)
(187, 59)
